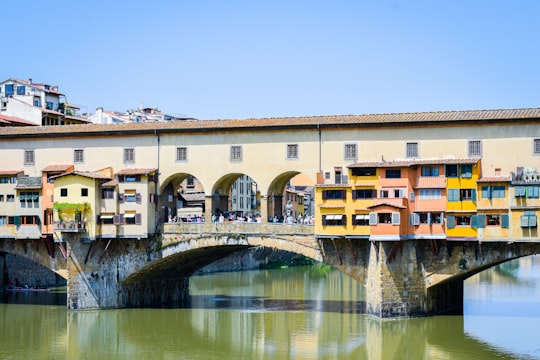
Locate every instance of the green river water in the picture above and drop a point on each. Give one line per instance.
(291, 313)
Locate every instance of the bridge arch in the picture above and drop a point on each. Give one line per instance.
(181, 191)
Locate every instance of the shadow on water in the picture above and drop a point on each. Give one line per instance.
(31, 297)
(253, 303)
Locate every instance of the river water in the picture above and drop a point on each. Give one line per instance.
(292, 313)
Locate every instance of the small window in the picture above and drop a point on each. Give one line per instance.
(361, 219)
(412, 150)
(393, 173)
(466, 171)
(84, 192)
(351, 152)
(1, 198)
(130, 196)
(364, 194)
(107, 193)
(10, 198)
(181, 154)
(451, 170)
(334, 220)
(475, 148)
(333, 194)
(463, 220)
(536, 146)
(29, 157)
(467, 194)
(368, 171)
(78, 156)
(384, 218)
(63, 192)
(430, 171)
(236, 153)
(292, 151)
(429, 194)
(493, 220)
(129, 155)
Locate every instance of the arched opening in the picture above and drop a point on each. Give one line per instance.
(182, 199)
(236, 196)
(291, 198)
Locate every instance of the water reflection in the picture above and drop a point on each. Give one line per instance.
(277, 314)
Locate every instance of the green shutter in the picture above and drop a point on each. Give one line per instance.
(474, 221)
(486, 192)
(505, 221)
(450, 221)
(17, 220)
(473, 192)
(481, 221)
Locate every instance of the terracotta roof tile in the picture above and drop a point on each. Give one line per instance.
(57, 168)
(413, 162)
(495, 179)
(91, 175)
(111, 183)
(11, 172)
(137, 171)
(370, 120)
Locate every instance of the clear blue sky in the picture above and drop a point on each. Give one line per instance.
(252, 59)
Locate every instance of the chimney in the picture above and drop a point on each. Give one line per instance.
(30, 80)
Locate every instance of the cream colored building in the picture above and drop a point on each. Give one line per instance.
(272, 151)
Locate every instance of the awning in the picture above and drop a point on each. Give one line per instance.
(106, 216)
(334, 217)
(129, 215)
(362, 217)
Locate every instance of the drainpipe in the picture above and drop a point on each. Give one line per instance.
(320, 148)
(156, 211)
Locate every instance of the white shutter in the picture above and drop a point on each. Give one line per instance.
(395, 218)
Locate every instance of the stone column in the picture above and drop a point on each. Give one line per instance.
(395, 286)
(208, 211)
(264, 208)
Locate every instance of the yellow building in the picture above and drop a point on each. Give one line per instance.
(461, 189)
(525, 204)
(493, 221)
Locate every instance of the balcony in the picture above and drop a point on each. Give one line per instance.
(70, 226)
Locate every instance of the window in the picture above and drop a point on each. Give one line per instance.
(333, 194)
(29, 157)
(364, 194)
(63, 192)
(493, 192)
(533, 192)
(361, 219)
(21, 90)
(370, 171)
(493, 220)
(334, 220)
(130, 196)
(129, 155)
(467, 194)
(451, 170)
(536, 146)
(78, 155)
(350, 152)
(131, 218)
(384, 194)
(466, 170)
(106, 218)
(236, 153)
(463, 220)
(1, 198)
(181, 154)
(107, 193)
(399, 193)
(190, 182)
(29, 220)
(475, 148)
(327, 176)
(292, 151)
(393, 173)
(387, 218)
(430, 171)
(84, 192)
(529, 219)
(412, 150)
(9, 90)
(430, 194)
(8, 179)
(10, 198)
(129, 178)
(29, 199)
(3, 220)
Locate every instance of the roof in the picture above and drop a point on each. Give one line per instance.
(494, 179)
(386, 204)
(111, 183)
(414, 162)
(11, 172)
(13, 121)
(91, 175)
(315, 122)
(136, 171)
(195, 196)
(57, 168)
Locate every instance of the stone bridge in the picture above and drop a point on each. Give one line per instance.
(402, 279)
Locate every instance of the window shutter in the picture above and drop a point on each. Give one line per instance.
(374, 194)
(416, 219)
(324, 220)
(98, 219)
(138, 198)
(441, 220)
(344, 219)
(138, 219)
(17, 220)
(411, 219)
(481, 220)
(505, 221)
(121, 197)
(522, 191)
(486, 192)
(354, 194)
(395, 218)
(450, 221)
(324, 195)
(532, 220)
(429, 218)
(473, 193)
(524, 220)
(118, 219)
(341, 194)
(411, 196)
(38, 220)
(373, 218)
(453, 194)
(474, 221)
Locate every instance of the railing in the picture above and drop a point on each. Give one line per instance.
(70, 226)
(234, 227)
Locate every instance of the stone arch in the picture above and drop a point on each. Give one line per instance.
(276, 204)
(222, 197)
(173, 196)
